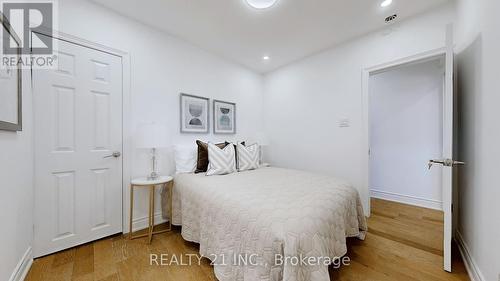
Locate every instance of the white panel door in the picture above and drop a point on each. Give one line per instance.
(78, 123)
(447, 161)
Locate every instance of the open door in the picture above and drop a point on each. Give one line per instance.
(447, 161)
(448, 103)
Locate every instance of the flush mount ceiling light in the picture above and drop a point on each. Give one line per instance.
(386, 3)
(265, 57)
(261, 4)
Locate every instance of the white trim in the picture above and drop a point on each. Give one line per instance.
(407, 199)
(142, 222)
(365, 79)
(425, 56)
(23, 267)
(127, 139)
(470, 264)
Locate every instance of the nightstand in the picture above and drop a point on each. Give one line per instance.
(166, 182)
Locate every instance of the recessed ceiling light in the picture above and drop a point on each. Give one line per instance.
(386, 3)
(266, 58)
(261, 4)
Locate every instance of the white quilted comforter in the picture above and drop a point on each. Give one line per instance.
(258, 215)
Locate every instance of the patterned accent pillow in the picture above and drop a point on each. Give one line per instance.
(248, 157)
(221, 161)
(202, 163)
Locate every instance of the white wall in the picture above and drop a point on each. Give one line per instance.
(162, 67)
(406, 130)
(304, 101)
(16, 189)
(479, 135)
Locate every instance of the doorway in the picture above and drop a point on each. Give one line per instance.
(406, 130)
(446, 161)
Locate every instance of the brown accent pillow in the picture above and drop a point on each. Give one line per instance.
(202, 164)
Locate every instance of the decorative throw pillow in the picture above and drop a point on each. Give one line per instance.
(248, 157)
(221, 161)
(202, 164)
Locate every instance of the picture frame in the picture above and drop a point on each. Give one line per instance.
(224, 114)
(11, 85)
(194, 114)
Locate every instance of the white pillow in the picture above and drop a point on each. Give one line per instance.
(221, 161)
(185, 158)
(248, 157)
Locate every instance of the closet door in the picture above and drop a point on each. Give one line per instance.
(78, 144)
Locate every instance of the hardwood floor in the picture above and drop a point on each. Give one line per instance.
(403, 243)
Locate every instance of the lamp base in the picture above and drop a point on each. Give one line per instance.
(153, 176)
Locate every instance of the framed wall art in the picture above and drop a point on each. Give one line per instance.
(224, 117)
(10, 84)
(194, 114)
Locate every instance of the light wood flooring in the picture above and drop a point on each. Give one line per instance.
(403, 243)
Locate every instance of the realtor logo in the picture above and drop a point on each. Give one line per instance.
(28, 19)
(27, 34)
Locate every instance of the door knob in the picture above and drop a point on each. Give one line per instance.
(115, 154)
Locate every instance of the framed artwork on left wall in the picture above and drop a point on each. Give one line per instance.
(194, 114)
(10, 84)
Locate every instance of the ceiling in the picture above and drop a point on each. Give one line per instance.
(286, 32)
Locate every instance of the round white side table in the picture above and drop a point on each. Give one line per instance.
(164, 181)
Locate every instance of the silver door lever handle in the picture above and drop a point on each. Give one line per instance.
(115, 154)
(445, 162)
(432, 162)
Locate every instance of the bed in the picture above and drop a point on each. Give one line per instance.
(245, 222)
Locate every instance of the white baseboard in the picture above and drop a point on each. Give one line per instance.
(407, 199)
(142, 222)
(471, 266)
(23, 267)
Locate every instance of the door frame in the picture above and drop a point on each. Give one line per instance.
(365, 99)
(126, 110)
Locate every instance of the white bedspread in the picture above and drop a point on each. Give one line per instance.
(267, 212)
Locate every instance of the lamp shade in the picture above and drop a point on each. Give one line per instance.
(262, 139)
(152, 135)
